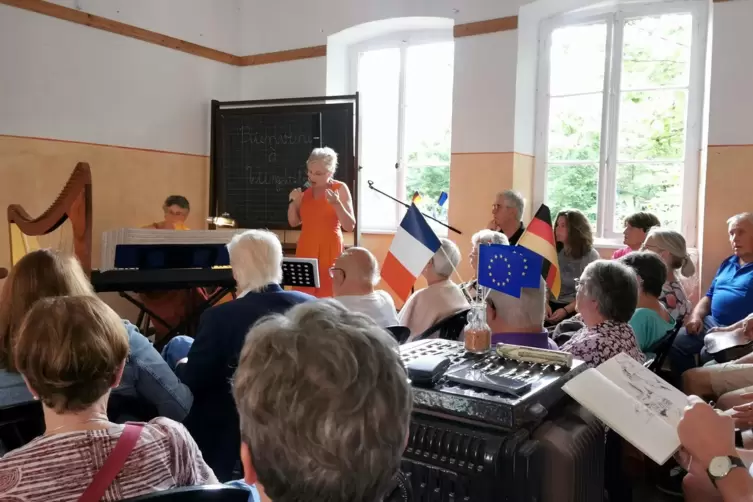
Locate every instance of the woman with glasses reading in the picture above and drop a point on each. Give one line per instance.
(322, 211)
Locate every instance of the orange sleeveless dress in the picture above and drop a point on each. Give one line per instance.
(321, 238)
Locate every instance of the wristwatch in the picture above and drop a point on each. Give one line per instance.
(721, 466)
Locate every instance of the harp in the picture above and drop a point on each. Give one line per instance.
(74, 204)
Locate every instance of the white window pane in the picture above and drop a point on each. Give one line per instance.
(656, 51)
(577, 59)
(575, 127)
(572, 187)
(656, 188)
(428, 121)
(378, 85)
(652, 125)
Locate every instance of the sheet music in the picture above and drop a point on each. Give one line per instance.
(113, 238)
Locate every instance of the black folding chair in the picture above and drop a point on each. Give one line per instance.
(207, 493)
(449, 328)
(399, 333)
(661, 348)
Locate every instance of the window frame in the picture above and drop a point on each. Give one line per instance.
(395, 40)
(615, 17)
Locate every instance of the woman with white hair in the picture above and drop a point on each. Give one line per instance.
(441, 298)
(470, 288)
(322, 211)
(670, 245)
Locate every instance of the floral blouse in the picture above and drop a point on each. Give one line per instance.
(602, 342)
(673, 297)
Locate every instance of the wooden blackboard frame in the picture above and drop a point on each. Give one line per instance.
(350, 165)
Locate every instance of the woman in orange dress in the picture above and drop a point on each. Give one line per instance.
(323, 210)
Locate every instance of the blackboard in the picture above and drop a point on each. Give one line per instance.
(259, 155)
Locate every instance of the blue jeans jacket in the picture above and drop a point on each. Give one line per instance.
(146, 377)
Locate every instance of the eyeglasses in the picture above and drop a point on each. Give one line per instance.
(655, 249)
(332, 272)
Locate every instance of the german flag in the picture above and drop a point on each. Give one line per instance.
(539, 238)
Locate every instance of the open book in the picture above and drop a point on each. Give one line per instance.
(634, 402)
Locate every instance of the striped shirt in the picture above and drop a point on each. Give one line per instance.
(61, 466)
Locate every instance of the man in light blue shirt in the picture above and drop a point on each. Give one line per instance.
(728, 300)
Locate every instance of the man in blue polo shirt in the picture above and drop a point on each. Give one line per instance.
(519, 321)
(728, 300)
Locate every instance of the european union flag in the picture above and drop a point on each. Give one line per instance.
(532, 263)
(508, 268)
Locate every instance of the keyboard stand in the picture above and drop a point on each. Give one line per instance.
(186, 324)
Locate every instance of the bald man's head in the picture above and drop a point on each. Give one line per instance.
(356, 272)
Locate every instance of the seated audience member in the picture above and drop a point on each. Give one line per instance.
(637, 226)
(519, 321)
(708, 451)
(324, 406)
(651, 320)
(256, 260)
(670, 245)
(147, 379)
(507, 211)
(728, 300)
(441, 298)
(172, 306)
(470, 288)
(354, 276)
(71, 351)
(606, 300)
(573, 232)
(730, 384)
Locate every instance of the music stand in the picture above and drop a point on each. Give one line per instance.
(301, 272)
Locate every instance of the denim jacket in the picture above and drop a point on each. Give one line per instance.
(146, 376)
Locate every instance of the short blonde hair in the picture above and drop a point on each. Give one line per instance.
(327, 156)
(70, 349)
(324, 404)
(256, 259)
(39, 274)
(487, 236)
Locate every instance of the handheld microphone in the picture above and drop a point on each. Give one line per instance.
(302, 187)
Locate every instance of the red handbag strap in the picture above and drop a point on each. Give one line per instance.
(114, 463)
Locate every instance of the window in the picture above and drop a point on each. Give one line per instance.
(405, 92)
(619, 114)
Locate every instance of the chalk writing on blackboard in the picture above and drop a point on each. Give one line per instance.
(280, 181)
(272, 140)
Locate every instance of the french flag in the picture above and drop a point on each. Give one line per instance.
(413, 246)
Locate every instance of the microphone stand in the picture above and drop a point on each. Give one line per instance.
(450, 227)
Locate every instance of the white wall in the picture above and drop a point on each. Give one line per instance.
(291, 24)
(483, 112)
(65, 81)
(731, 118)
(212, 23)
(484, 84)
(292, 79)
